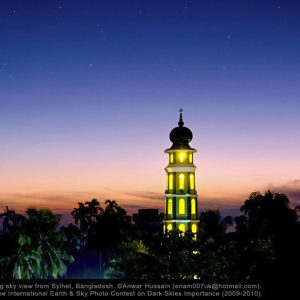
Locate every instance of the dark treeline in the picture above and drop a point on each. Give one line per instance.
(103, 243)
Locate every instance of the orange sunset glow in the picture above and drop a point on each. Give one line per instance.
(56, 175)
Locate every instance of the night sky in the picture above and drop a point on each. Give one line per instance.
(89, 91)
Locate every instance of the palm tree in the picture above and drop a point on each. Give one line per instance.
(39, 250)
(80, 216)
(86, 216)
(114, 210)
(111, 207)
(111, 226)
(94, 210)
(11, 220)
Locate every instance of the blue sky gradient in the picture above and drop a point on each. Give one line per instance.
(89, 91)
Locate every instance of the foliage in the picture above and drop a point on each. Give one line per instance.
(11, 221)
(170, 256)
(136, 262)
(101, 228)
(264, 246)
(112, 227)
(37, 248)
(86, 216)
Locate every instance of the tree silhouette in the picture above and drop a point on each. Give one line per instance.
(213, 227)
(263, 248)
(135, 262)
(268, 215)
(86, 216)
(11, 220)
(111, 227)
(72, 234)
(173, 257)
(38, 249)
(270, 227)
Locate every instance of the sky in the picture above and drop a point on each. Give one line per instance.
(90, 90)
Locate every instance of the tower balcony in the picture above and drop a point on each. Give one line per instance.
(176, 168)
(181, 192)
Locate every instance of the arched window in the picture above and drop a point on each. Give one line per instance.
(192, 181)
(181, 156)
(169, 227)
(194, 228)
(181, 181)
(170, 181)
(193, 206)
(191, 158)
(171, 158)
(170, 207)
(182, 227)
(181, 206)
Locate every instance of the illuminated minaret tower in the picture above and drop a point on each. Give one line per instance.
(181, 207)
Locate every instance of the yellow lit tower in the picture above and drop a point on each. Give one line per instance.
(181, 207)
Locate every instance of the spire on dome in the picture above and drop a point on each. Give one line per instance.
(181, 136)
(180, 123)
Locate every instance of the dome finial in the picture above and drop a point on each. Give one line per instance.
(180, 123)
(180, 136)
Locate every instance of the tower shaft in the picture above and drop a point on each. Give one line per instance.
(181, 205)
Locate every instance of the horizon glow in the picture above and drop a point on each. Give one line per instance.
(89, 92)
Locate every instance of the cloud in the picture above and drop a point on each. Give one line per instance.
(291, 189)
(226, 206)
(63, 202)
(147, 195)
(60, 202)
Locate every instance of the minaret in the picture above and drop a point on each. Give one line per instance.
(181, 207)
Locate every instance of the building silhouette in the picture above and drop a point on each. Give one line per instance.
(147, 219)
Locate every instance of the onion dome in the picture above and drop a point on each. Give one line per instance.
(181, 136)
